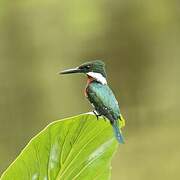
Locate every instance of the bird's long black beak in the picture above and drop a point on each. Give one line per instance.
(71, 71)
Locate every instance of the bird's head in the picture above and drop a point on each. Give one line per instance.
(94, 69)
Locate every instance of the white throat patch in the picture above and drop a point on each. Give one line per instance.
(98, 76)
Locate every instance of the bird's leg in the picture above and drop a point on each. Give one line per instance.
(104, 118)
(111, 122)
(96, 114)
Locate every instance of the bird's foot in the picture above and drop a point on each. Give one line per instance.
(104, 118)
(96, 114)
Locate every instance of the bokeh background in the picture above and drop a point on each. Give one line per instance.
(140, 43)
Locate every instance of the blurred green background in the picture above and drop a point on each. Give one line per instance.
(140, 43)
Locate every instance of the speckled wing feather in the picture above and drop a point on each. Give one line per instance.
(104, 101)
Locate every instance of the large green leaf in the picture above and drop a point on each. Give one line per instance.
(80, 147)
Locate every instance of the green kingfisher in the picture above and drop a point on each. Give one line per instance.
(100, 95)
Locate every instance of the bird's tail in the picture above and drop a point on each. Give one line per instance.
(118, 132)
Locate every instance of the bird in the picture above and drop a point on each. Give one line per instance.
(100, 95)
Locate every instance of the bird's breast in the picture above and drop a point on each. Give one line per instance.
(89, 81)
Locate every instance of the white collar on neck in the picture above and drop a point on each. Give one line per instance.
(98, 76)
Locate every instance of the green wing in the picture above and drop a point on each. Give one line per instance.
(104, 101)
